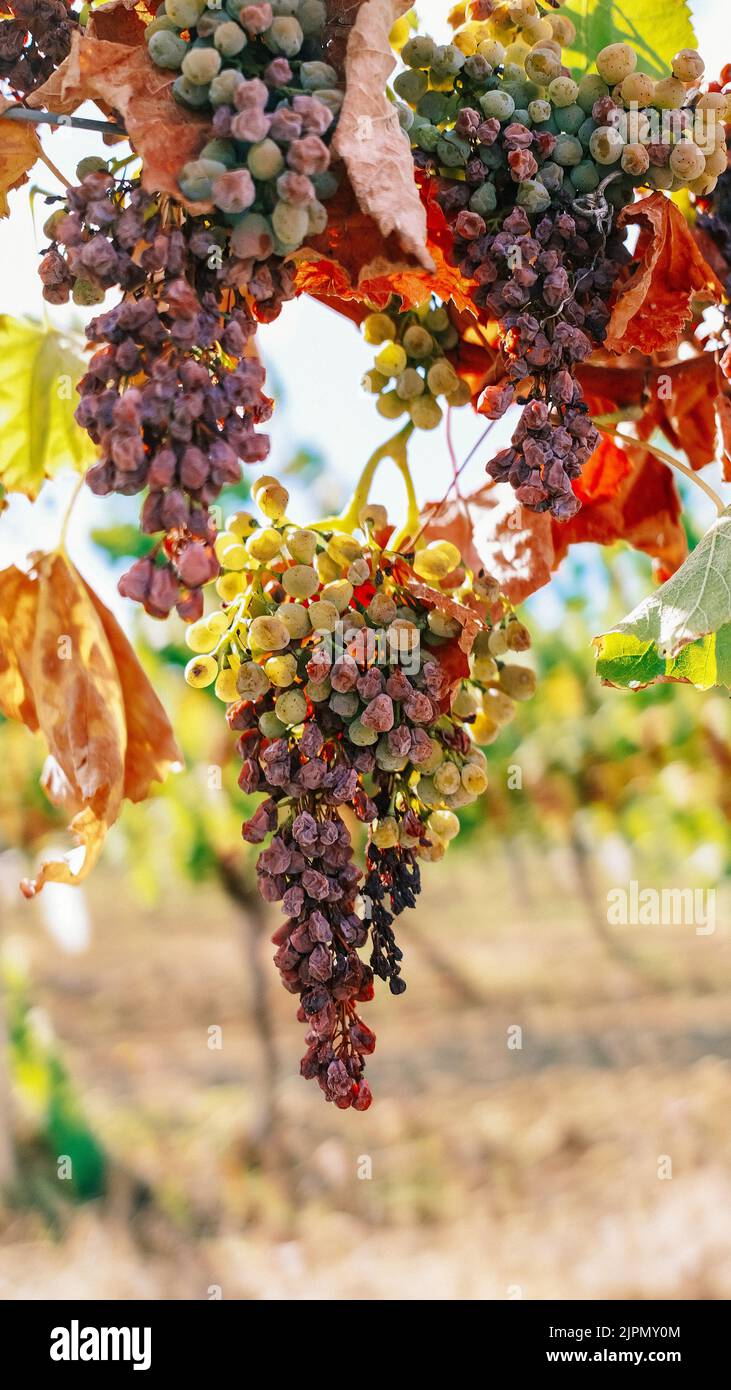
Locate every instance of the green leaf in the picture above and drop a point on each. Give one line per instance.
(655, 31)
(39, 371)
(682, 632)
(123, 542)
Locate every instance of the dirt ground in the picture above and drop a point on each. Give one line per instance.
(591, 1161)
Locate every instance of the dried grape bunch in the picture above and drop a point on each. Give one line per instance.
(35, 37)
(363, 678)
(169, 396)
(530, 167)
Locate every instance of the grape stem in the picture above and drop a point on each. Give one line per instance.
(69, 509)
(664, 457)
(395, 449)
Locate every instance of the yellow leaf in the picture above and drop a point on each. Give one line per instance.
(67, 669)
(39, 370)
(19, 150)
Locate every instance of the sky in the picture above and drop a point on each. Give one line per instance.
(316, 357)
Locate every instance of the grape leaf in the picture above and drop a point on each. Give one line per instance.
(67, 669)
(681, 632)
(656, 32)
(19, 150)
(39, 369)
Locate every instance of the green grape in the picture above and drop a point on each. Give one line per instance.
(591, 88)
(200, 65)
(224, 86)
(563, 91)
(284, 36)
(166, 49)
(418, 342)
(418, 52)
(222, 151)
(316, 217)
(498, 104)
(411, 85)
(291, 707)
(324, 616)
(447, 61)
(523, 117)
(425, 412)
(229, 38)
(452, 151)
(270, 726)
(534, 197)
(284, 7)
(551, 175)
(568, 151)
(606, 145)
(268, 635)
(523, 93)
(345, 703)
(585, 177)
(312, 15)
(585, 132)
(338, 592)
(86, 292)
(189, 93)
(196, 178)
(410, 384)
(209, 22)
(433, 106)
(484, 199)
(301, 581)
(265, 160)
(290, 223)
(160, 22)
(390, 405)
(331, 97)
(379, 328)
(185, 13)
(325, 184)
(360, 735)
(317, 691)
(316, 74)
(427, 138)
(437, 320)
(570, 119)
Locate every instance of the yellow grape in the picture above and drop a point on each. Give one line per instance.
(519, 682)
(241, 524)
(425, 413)
(378, 328)
(446, 778)
(272, 500)
(484, 730)
(199, 636)
(373, 515)
(324, 616)
(474, 779)
(201, 671)
(296, 618)
(281, 670)
(498, 706)
(339, 592)
(302, 545)
(326, 567)
(301, 581)
(224, 541)
(391, 360)
(343, 549)
(268, 635)
(442, 625)
(444, 824)
(390, 405)
(226, 688)
(466, 702)
(484, 668)
(264, 544)
(433, 562)
(497, 642)
(251, 681)
(291, 707)
(229, 586)
(386, 833)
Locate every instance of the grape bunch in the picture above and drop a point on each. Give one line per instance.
(530, 168)
(169, 396)
(343, 668)
(714, 218)
(35, 37)
(411, 369)
(257, 67)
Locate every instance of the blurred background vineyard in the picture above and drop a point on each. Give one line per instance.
(483, 1170)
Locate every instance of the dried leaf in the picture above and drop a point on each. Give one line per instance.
(123, 81)
(495, 534)
(681, 399)
(469, 619)
(120, 21)
(369, 138)
(39, 370)
(67, 669)
(653, 306)
(19, 150)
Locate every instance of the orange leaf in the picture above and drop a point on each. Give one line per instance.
(369, 138)
(124, 81)
(495, 534)
(655, 303)
(19, 150)
(68, 670)
(469, 619)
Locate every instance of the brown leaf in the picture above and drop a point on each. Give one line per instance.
(67, 669)
(369, 138)
(120, 21)
(653, 306)
(123, 81)
(495, 534)
(19, 150)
